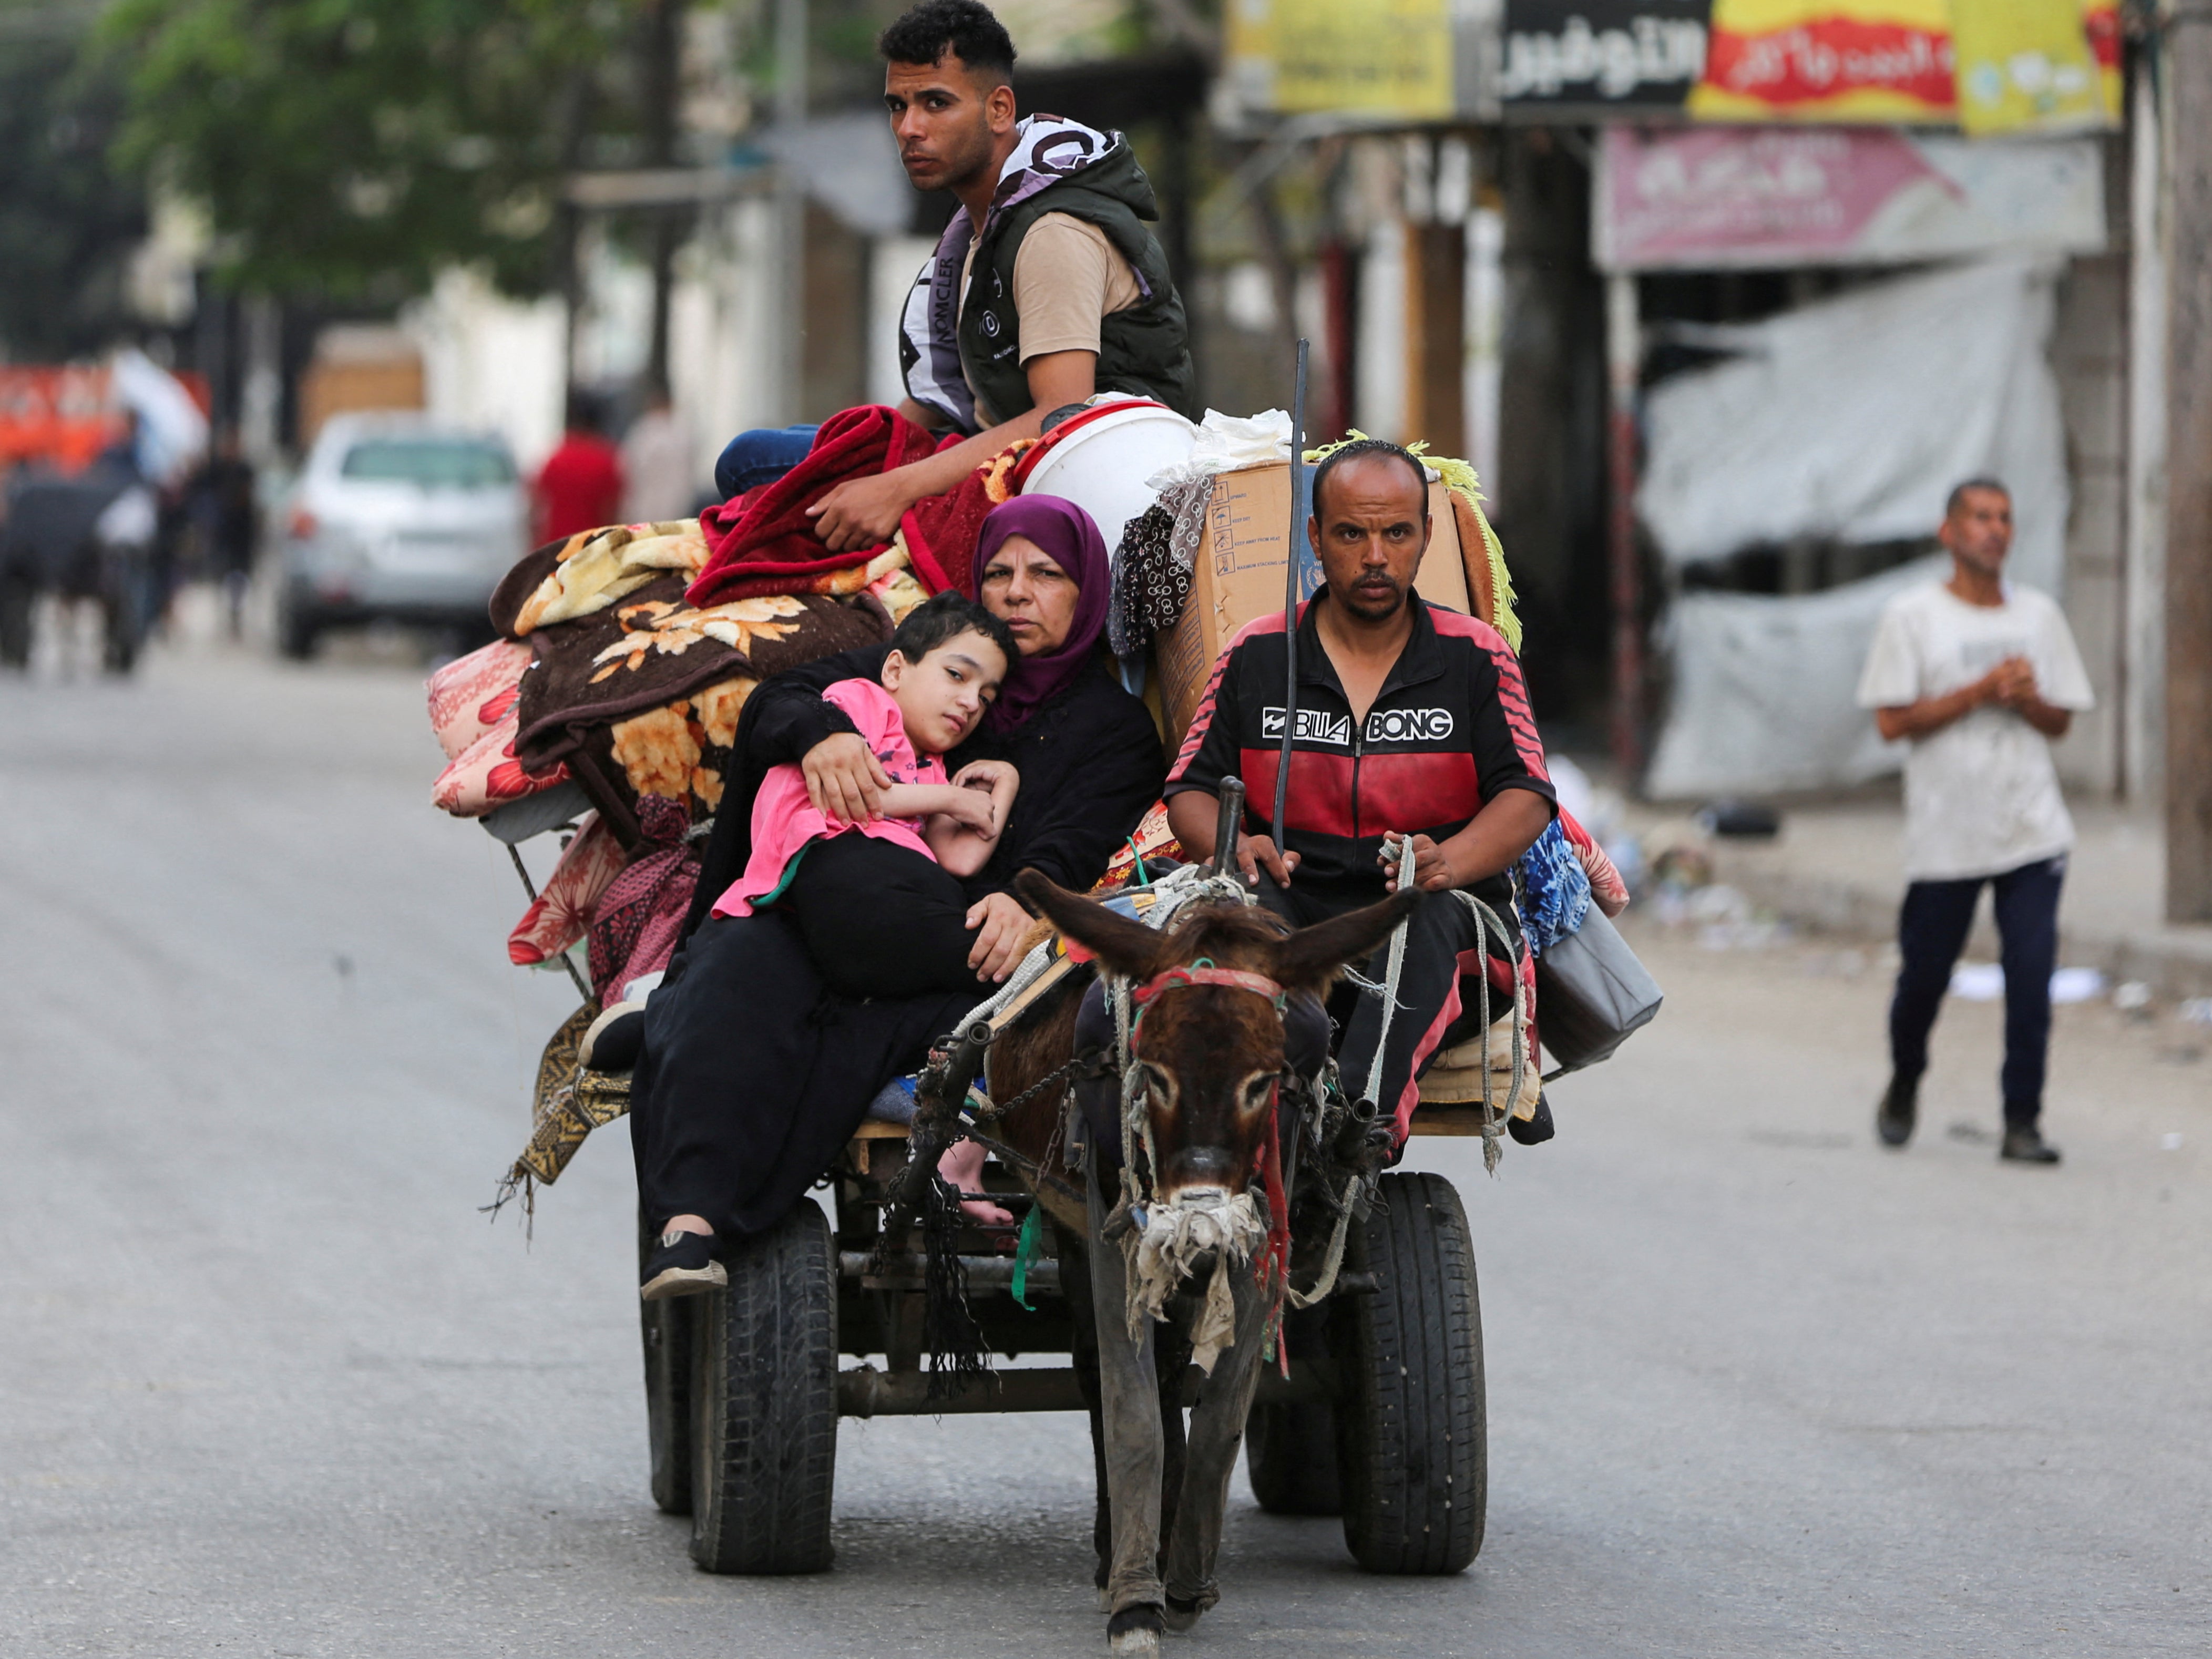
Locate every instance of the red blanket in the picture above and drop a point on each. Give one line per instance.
(763, 542)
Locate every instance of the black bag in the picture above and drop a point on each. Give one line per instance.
(1591, 993)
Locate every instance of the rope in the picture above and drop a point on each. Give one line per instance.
(1487, 922)
(1331, 1262)
(1391, 977)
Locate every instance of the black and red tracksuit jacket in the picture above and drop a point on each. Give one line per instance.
(1450, 729)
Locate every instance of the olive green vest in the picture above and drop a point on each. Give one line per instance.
(1144, 350)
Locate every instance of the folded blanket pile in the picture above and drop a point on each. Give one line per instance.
(763, 542)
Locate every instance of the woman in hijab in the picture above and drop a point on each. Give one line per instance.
(754, 1073)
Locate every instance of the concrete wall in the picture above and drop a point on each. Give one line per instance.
(2088, 355)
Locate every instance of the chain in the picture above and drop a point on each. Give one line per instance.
(990, 1112)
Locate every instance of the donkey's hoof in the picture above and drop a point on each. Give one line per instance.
(1135, 1630)
(1181, 1616)
(1105, 1599)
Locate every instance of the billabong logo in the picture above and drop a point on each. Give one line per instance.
(1409, 726)
(1315, 726)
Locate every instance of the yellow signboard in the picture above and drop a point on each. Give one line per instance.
(1826, 61)
(1380, 56)
(2025, 65)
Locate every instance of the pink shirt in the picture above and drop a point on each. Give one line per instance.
(784, 821)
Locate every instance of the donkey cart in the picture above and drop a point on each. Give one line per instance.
(1370, 1407)
(1381, 1419)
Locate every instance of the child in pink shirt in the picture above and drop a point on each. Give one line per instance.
(879, 902)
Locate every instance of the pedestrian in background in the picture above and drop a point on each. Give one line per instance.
(656, 456)
(218, 499)
(580, 485)
(1978, 677)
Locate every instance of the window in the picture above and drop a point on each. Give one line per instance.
(429, 463)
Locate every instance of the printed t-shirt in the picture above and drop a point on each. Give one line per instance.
(786, 822)
(1067, 276)
(1981, 796)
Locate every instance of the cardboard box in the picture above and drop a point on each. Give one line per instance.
(1240, 575)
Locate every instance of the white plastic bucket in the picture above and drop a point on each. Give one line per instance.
(1103, 467)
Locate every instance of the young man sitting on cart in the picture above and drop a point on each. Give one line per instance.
(1412, 723)
(1048, 286)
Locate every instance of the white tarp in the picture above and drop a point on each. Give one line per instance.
(1850, 420)
(1764, 691)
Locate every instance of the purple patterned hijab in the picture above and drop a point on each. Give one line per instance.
(1067, 534)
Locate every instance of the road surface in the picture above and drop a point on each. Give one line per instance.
(272, 1384)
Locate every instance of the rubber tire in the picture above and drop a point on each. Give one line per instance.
(765, 1404)
(1290, 1456)
(666, 1330)
(1413, 1442)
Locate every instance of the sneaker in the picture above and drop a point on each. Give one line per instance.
(2027, 1146)
(682, 1264)
(1893, 1118)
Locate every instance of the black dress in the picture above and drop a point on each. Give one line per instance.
(754, 1072)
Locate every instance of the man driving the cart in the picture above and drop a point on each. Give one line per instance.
(1412, 736)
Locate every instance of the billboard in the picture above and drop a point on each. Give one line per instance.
(1628, 57)
(1359, 57)
(1738, 198)
(1991, 66)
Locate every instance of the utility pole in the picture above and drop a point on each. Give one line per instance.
(791, 203)
(2189, 462)
(1623, 365)
(660, 81)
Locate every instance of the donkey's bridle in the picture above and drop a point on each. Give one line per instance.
(1203, 972)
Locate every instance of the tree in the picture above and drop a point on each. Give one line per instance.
(351, 148)
(67, 226)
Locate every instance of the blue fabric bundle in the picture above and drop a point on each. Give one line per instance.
(1555, 891)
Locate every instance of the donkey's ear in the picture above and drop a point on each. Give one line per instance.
(1310, 958)
(1126, 947)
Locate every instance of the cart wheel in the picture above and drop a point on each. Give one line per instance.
(666, 1329)
(765, 1404)
(1289, 1448)
(1412, 1440)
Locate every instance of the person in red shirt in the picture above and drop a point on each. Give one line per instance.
(580, 485)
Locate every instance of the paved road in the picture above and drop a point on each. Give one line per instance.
(269, 1384)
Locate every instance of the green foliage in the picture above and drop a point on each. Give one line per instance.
(67, 227)
(351, 148)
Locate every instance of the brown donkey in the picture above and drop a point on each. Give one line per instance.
(1186, 1244)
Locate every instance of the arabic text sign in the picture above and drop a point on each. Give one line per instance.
(1722, 198)
(1632, 54)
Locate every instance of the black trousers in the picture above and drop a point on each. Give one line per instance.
(1441, 949)
(755, 1073)
(882, 921)
(1931, 930)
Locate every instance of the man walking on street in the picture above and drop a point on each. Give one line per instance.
(1980, 678)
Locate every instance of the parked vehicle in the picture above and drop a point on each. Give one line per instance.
(396, 518)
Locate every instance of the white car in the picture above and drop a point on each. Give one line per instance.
(395, 517)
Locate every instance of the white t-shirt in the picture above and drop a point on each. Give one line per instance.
(1981, 796)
